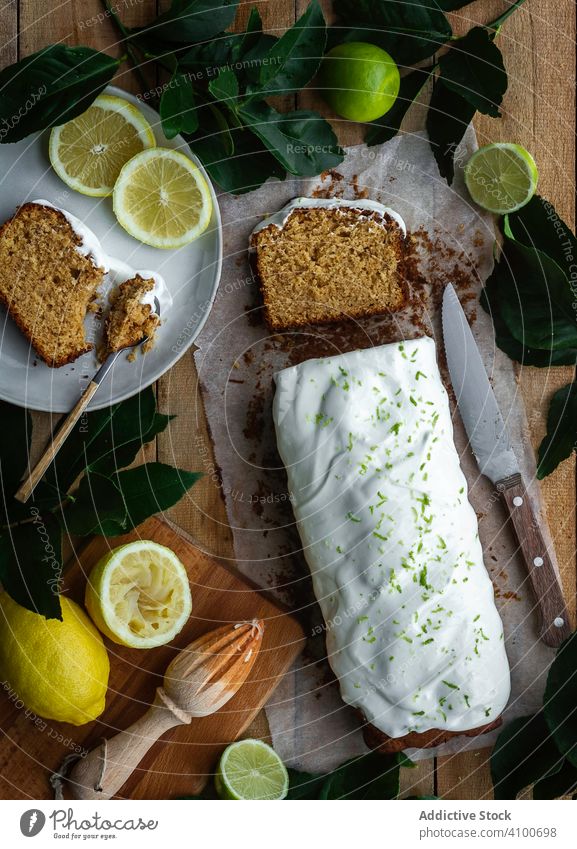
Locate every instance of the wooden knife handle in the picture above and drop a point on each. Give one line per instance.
(555, 625)
(104, 770)
(31, 481)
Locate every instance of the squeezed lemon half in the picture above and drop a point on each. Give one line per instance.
(138, 595)
(88, 152)
(162, 198)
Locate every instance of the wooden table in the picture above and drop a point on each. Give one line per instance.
(538, 43)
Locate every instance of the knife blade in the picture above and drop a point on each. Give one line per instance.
(490, 443)
(484, 423)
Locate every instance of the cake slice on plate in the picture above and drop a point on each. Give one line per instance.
(320, 261)
(51, 268)
(47, 281)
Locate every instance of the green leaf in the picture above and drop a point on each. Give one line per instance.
(124, 453)
(98, 508)
(304, 785)
(31, 564)
(473, 68)
(104, 440)
(524, 753)
(448, 117)
(295, 58)
(177, 107)
(410, 31)
(241, 170)
(253, 58)
(563, 783)
(250, 38)
(539, 225)
(191, 21)
(302, 141)
(529, 294)
(51, 87)
(561, 438)
(151, 488)
(225, 86)
(516, 350)
(17, 423)
(535, 298)
(371, 776)
(203, 59)
(388, 126)
(560, 699)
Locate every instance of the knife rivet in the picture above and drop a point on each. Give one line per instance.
(538, 561)
(558, 622)
(517, 501)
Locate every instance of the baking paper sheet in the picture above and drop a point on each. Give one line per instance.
(236, 358)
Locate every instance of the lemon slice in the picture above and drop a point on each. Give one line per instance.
(250, 769)
(89, 151)
(501, 177)
(162, 198)
(138, 595)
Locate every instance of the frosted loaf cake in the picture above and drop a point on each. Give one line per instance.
(392, 543)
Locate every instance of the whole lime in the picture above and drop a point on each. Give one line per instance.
(359, 81)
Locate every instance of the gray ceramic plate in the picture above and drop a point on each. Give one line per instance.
(191, 274)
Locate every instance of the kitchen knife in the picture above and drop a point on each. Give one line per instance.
(490, 444)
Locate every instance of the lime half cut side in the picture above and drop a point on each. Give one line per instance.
(162, 198)
(501, 177)
(251, 769)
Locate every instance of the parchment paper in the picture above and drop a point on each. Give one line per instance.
(236, 358)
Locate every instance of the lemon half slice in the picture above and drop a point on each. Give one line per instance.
(251, 769)
(58, 668)
(162, 198)
(89, 151)
(138, 595)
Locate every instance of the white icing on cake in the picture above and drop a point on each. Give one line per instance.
(279, 219)
(116, 269)
(391, 540)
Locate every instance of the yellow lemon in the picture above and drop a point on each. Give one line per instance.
(89, 151)
(138, 594)
(162, 199)
(58, 669)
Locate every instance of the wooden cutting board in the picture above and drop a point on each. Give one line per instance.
(181, 763)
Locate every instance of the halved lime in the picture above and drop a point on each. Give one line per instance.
(250, 769)
(501, 177)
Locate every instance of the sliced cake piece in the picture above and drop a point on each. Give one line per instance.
(131, 317)
(47, 281)
(325, 260)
